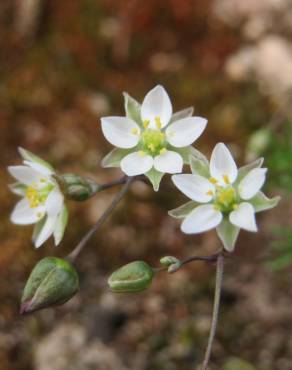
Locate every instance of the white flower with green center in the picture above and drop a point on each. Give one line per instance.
(42, 201)
(222, 196)
(151, 140)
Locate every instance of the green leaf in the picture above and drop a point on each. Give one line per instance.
(133, 109)
(18, 189)
(183, 210)
(28, 156)
(228, 234)
(261, 202)
(199, 166)
(61, 225)
(184, 113)
(113, 158)
(154, 177)
(243, 171)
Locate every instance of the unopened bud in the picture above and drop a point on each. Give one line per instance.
(133, 277)
(76, 187)
(168, 260)
(53, 281)
(174, 267)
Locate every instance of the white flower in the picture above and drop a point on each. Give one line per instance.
(222, 196)
(151, 140)
(42, 202)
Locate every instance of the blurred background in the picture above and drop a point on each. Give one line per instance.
(63, 65)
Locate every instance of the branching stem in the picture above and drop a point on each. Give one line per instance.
(73, 255)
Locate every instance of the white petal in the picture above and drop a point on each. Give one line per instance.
(156, 104)
(222, 165)
(24, 174)
(195, 187)
(168, 162)
(23, 214)
(244, 217)
(185, 131)
(46, 231)
(42, 170)
(122, 132)
(201, 219)
(54, 202)
(252, 183)
(136, 164)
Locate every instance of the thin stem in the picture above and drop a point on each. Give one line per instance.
(216, 306)
(73, 255)
(211, 258)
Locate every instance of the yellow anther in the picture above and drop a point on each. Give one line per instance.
(210, 192)
(151, 147)
(162, 135)
(216, 207)
(226, 179)
(134, 131)
(163, 151)
(158, 122)
(235, 206)
(32, 196)
(141, 153)
(146, 123)
(213, 180)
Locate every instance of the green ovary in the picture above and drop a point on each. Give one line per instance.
(226, 199)
(153, 141)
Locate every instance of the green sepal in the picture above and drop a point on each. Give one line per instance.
(184, 113)
(61, 225)
(155, 178)
(228, 234)
(185, 152)
(37, 228)
(168, 260)
(114, 157)
(199, 166)
(261, 202)
(76, 187)
(29, 156)
(131, 278)
(243, 171)
(53, 281)
(183, 210)
(133, 109)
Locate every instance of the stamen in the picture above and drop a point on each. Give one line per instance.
(226, 179)
(213, 180)
(141, 153)
(163, 151)
(235, 206)
(210, 192)
(134, 131)
(158, 122)
(146, 123)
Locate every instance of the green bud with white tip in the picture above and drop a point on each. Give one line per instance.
(131, 278)
(168, 260)
(53, 281)
(76, 187)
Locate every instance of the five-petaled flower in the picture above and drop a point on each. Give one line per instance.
(222, 196)
(42, 202)
(151, 140)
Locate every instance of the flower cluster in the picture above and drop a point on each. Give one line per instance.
(150, 140)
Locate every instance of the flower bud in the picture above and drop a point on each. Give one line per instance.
(168, 260)
(77, 188)
(133, 277)
(174, 267)
(53, 281)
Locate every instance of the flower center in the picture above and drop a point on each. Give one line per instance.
(153, 141)
(37, 196)
(225, 199)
